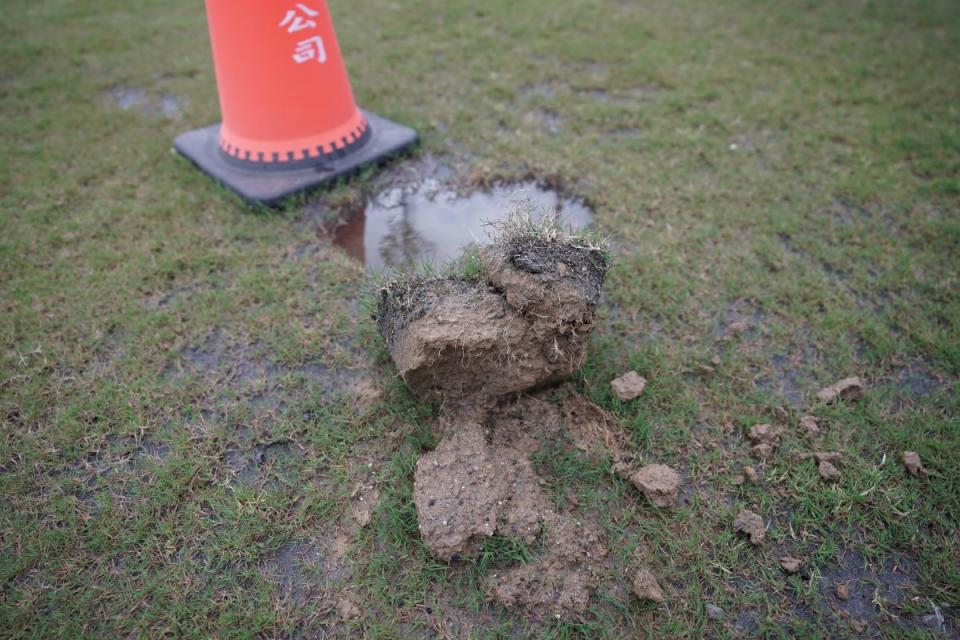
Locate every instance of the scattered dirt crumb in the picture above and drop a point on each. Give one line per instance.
(714, 612)
(363, 504)
(843, 591)
(646, 587)
(750, 523)
(765, 439)
(562, 580)
(911, 461)
(592, 429)
(628, 386)
(367, 392)
(658, 482)
(790, 564)
(761, 451)
(846, 389)
(810, 424)
(764, 433)
(859, 626)
(828, 456)
(829, 472)
(734, 329)
(751, 474)
(347, 608)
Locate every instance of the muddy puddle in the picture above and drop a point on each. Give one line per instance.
(430, 223)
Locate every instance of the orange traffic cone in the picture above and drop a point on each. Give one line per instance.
(289, 118)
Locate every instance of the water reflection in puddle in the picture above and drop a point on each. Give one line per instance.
(430, 224)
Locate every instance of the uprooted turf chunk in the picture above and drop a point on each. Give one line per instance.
(522, 324)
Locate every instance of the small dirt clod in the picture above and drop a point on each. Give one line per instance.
(911, 462)
(734, 329)
(628, 386)
(646, 587)
(658, 482)
(810, 424)
(790, 564)
(347, 608)
(829, 456)
(847, 389)
(829, 472)
(714, 612)
(751, 524)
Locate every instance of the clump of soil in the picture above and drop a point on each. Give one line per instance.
(646, 587)
(846, 389)
(628, 386)
(751, 524)
(810, 424)
(911, 462)
(522, 323)
(765, 440)
(790, 564)
(658, 482)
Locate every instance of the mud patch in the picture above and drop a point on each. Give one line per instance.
(309, 572)
(466, 491)
(740, 320)
(428, 222)
(544, 119)
(855, 591)
(165, 105)
(267, 465)
(224, 360)
(793, 374)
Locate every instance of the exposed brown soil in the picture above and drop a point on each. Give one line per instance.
(765, 440)
(471, 488)
(467, 490)
(561, 581)
(592, 429)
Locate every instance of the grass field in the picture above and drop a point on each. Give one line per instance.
(193, 396)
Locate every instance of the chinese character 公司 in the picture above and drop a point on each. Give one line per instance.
(294, 22)
(310, 49)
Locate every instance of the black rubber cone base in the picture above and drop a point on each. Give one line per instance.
(270, 187)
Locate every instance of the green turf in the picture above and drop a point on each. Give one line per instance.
(181, 436)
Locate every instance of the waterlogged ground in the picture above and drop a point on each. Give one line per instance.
(201, 433)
